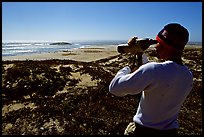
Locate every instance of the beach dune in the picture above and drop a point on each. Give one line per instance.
(81, 104)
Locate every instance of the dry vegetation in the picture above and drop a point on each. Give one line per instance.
(46, 98)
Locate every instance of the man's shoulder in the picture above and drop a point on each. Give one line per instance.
(149, 66)
(152, 64)
(159, 63)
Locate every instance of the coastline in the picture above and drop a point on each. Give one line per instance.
(80, 54)
(87, 54)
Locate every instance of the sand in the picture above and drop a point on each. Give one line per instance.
(82, 54)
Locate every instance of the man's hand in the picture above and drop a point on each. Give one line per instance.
(132, 41)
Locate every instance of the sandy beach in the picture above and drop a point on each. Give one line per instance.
(82, 54)
(66, 93)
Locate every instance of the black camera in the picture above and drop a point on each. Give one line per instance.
(140, 46)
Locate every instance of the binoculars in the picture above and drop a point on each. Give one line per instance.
(136, 47)
(140, 45)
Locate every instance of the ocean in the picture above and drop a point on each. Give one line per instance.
(22, 48)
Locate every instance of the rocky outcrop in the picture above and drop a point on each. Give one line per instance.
(61, 43)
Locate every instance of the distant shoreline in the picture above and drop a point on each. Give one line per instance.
(86, 54)
(80, 54)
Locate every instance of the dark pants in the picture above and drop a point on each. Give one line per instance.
(136, 129)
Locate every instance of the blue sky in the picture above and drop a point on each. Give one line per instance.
(71, 21)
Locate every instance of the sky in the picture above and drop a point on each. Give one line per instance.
(81, 21)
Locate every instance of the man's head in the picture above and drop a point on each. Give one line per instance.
(172, 38)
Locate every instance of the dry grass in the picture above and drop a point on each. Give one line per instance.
(87, 108)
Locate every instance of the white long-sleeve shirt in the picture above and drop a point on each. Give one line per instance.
(164, 87)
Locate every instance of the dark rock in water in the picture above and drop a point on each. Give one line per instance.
(61, 43)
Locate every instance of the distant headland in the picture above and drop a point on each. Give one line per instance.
(60, 43)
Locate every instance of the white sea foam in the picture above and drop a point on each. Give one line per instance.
(12, 48)
(18, 48)
(24, 51)
(26, 44)
(41, 44)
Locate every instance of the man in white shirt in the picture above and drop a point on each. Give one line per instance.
(164, 85)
